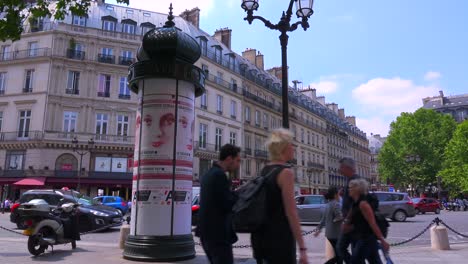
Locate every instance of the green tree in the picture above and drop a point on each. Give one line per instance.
(13, 13)
(422, 135)
(455, 172)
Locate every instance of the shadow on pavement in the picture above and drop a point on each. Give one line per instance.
(57, 255)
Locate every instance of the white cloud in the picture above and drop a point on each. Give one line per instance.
(375, 125)
(179, 6)
(432, 76)
(392, 96)
(331, 83)
(325, 87)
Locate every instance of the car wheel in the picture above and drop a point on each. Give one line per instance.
(73, 244)
(417, 211)
(437, 211)
(423, 212)
(399, 216)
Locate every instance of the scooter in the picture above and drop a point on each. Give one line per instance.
(47, 227)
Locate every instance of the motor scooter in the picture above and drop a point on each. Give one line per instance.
(46, 227)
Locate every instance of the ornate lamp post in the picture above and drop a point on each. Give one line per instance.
(80, 150)
(303, 11)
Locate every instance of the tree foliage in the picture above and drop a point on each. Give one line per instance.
(455, 172)
(13, 13)
(425, 134)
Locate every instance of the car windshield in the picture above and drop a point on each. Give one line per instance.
(416, 200)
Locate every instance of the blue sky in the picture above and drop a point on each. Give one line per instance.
(373, 58)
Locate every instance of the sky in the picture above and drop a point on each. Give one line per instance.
(375, 59)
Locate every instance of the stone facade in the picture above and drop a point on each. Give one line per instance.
(456, 105)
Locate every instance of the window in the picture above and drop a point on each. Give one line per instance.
(107, 51)
(15, 160)
(247, 142)
(247, 113)
(24, 123)
(258, 144)
(73, 82)
(265, 120)
(294, 131)
(2, 82)
(258, 166)
(203, 45)
(273, 122)
(218, 53)
(232, 138)
(101, 124)
(203, 135)
(5, 53)
(108, 25)
(308, 137)
(104, 85)
(303, 158)
(257, 118)
(122, 125)
(302, 135)
(79, 21)
(69, 121)
(124, 92)
(219, 77)
(1, 121)
(146, 14)
(218, 138)
(110, 8)
(232, 62)
(205, 68)
(28, 81)
(247, 166)
(128, 54)
(33, 47)
(233, 85)
(129, 11)
(145, 29)
(128, 28)
(219, 104)
(233, 109)
(203, 101)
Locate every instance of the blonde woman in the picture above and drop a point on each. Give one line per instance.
(365, 231)
(275, 242)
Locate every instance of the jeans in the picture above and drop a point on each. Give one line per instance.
(342, 247)
(337, 259)
(366, 249)
(218, 252)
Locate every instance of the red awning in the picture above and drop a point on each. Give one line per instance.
(33, 181)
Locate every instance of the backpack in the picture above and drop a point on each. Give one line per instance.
(380, 219)
(250, 210)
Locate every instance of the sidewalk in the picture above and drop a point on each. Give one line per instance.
(14, 250)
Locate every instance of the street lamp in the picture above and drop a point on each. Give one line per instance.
(304, 11)
(79, 150)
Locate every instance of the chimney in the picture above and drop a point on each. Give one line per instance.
(321, 100)
(224, 36)
(333, 107)
(276, 71)
(351, 120)
(259, 61)
(250, 55)
(192, 16)
(341, 113)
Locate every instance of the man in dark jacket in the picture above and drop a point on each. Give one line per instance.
(216, 201)
(347, 169)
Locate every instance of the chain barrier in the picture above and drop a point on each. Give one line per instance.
(12, 231)
(414, 237)
(81, 234)
(453, 230)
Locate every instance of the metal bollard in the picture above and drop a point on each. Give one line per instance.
(439, 238)
(124, 232)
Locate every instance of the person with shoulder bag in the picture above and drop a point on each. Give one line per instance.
(331, 220)
(275, 241)
(365, 231)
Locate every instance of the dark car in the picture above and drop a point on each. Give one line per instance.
(114, 202)
(91, 216)
(424, 205)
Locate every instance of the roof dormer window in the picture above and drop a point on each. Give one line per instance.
(111, 8)
(109, 23)
(128, 26)
(146, 26)
(203, 41)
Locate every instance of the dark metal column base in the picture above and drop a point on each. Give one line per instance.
(159, 248)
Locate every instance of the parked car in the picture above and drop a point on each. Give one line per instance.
(424, 205)
(195, 209)
(91, 215)
(310, 208)
(114, 202)
(397, 206)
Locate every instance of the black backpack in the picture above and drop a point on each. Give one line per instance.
(250, 210)
(380, 219)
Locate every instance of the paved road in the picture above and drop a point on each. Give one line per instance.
(316, 246)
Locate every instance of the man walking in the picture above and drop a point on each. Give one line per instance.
(347, 169)
(216, 201)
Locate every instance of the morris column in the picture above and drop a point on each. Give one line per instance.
(167, 83)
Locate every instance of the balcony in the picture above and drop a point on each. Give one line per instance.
(21, 135)
(224, 84)
(219, 112)
(203, 107)
(315, 165)
(124, 96)
(126, 61)
(262, 101)
(75, 54)
(84, 137)
(104, 58)
(248, 151)
(103, 94)
(261, 153)
(72, 91)
(203, 146)
(110, 175)
(24, 54)
(27, 90)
